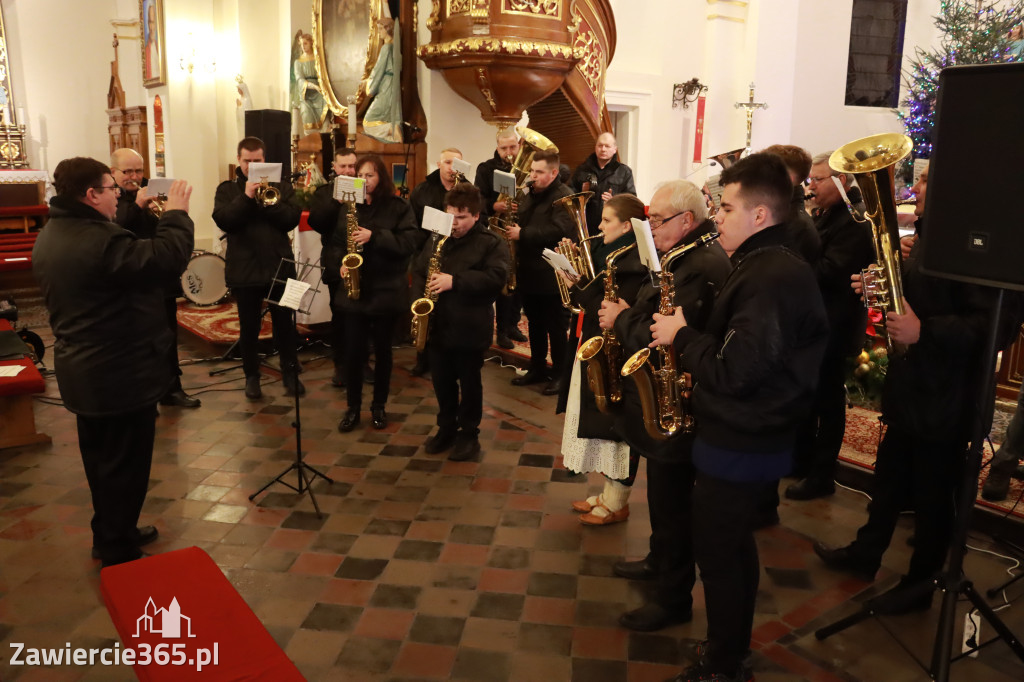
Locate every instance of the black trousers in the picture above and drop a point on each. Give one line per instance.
(337, 334)
(669, 492)
(171, 311)
(506, 312)
(926, 473)
(379, 329)
(250, 303)
(453, 371)
(723, 543)
(117, 452)
(821, 435)
(547, 319)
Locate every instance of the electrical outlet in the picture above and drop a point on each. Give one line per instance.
(972, 633)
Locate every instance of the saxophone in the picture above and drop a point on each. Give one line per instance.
(422, 307)
(352, 259)
(603, 354)
(664, 393)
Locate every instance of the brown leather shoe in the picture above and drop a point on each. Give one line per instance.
(584, 506)
(592, 519)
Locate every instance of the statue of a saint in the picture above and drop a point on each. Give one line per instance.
(306, 94)
(383, 118)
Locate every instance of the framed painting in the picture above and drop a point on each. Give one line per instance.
(346, 41)
(154, 44)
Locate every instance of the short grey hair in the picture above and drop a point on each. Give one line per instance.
(685, 196)
(823, 159)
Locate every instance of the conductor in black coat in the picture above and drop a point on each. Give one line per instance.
(472, 269)
(257, 238)
(103, 288)
(542, 224)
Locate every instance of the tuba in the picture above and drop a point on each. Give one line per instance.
(266, 194)
(352, 259)
(577, 254)
(422, 307)
(872, 160)
(603, 354)
(530, 143)
(664, 393)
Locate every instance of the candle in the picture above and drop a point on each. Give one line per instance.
(296, 123)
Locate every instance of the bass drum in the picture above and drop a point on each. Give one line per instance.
(203, 279)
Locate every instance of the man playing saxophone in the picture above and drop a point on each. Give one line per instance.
(469, 271)
(678, 217)
(755, 368)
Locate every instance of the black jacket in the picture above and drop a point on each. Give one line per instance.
(615, 177)
(696, 278)
(485, 183)
(463, 317)
(755, 365)
(544, 225)
(329, 218)
(383, 277)
(101, 287)
(846, 249)
(142, 223)
(430, 192)
(803, 238)
(257, 236)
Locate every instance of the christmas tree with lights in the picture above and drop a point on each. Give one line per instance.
(973, 32)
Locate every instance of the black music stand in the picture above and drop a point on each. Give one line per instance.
(305, 472)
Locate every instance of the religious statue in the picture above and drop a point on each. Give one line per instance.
(306, 94)
(243, 103)
(383, 119)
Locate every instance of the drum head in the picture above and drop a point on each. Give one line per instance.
(203, 279)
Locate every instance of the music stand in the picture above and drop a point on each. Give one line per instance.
(287, 300)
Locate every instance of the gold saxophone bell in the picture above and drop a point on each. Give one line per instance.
(266, 194)
(423, 306)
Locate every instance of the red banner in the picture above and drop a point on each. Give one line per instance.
(698, 137)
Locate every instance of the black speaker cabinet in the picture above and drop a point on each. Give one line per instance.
(275, 129)
(973, 224)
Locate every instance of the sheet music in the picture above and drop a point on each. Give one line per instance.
(560, 262)
(504, 183)
(463, 167)
(438, 222)
(645, 245)
(270, 171)
(715, 189)
(159, 186)
(11, 370)
(347, 188)
(294, 290)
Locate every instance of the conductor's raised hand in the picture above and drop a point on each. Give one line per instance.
(178, 196)
(664, 329)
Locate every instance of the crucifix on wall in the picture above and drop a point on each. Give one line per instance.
(749, 107)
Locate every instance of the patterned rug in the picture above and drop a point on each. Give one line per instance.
(861, 444)
(215, 323)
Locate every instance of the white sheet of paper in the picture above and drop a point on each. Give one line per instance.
(159, 186)
(645, 245)
(438, 222)
(463, 167)
(294, 290)
(504, 183)
(347, 188)
(11, 370)
(270, 171)
(559, 262)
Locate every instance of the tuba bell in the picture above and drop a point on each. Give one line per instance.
(872, 161)
(266, 194)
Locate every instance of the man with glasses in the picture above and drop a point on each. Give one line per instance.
(134, 214)
(846, 249)
(678, 216)
(103, 288)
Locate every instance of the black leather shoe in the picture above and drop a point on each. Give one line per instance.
(338, 378)
(292, 385)
(531, 377)
(843, 559)
(440, 441)
(419, 369)
(179, 398)
(368, 377)
(635, 570)
(466, 448)
(652, 616)
(349, 421)
(516, 335)
(505, 342)
(553, 388)
(252, 387)
(906, 597)
(147, 534)
(378, 417)
(810, 489)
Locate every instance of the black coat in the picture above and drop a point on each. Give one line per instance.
(430, 192)
(803, 238)
(463, 317)
(329, 218)
(544, 225)
(383, 277)
(101, 287)
(142, 223)
(485, 183)
(846, 249)
(615, 177)
(755, 365)
(696, 278)
(257, 236)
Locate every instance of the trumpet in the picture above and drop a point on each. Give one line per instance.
(266, 194)
(578, 256)
(157, 206)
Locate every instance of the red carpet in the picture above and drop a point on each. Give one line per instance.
(215, 323)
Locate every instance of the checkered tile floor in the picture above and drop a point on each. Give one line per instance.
(421, 568)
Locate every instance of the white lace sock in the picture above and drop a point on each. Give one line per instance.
(614, 498)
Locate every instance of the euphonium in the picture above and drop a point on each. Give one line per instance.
(352, 259)
(422, 307)
(266, 194)
(578, 256)
(872, 160)
(603, 354)
(664, 393)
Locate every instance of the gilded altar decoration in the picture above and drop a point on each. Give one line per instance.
(498, 46)
(485, 88)
(434, 21)
(12, 133)
(592, 61)
(459, 7)
(347, 39)
(551, 9)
